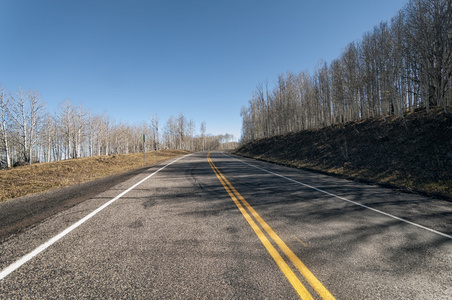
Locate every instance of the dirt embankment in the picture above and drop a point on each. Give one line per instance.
(413, 153)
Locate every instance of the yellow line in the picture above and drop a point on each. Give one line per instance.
(313, 281)
(297, 285)
(304, 244)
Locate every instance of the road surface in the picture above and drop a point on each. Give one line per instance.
(217, 226)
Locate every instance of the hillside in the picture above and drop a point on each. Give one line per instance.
(413, 153)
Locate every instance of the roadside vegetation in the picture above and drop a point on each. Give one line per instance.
(412, 153)
(30, 179)
(399, 66)
(380, 112)
(30, 134)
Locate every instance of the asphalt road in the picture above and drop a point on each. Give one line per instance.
(235, 228)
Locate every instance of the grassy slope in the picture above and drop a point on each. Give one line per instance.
(21, 181)
(413, 153)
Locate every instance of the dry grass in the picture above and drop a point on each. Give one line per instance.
(21, 181)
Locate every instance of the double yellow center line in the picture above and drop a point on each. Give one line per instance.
(249, 213)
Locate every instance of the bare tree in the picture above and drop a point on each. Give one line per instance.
(429, 34)
(65, 115)
(181, 131)
(79, 128)
(397, 66)
(4, 120)
(203, 135)
(155, 132)
(27, 110)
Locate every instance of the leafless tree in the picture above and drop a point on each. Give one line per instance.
(203, 135)
(398, 66)
(155, 133)
(26, 113)
(4, 121)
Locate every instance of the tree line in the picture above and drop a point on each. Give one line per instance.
(29, 134)
(397, 67)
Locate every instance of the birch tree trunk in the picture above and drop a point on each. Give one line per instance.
(4, 128)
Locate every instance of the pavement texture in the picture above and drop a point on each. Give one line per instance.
(179, 235)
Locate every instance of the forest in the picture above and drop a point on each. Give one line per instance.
(399, 66)
(29, 134)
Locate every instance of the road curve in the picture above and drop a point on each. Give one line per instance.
(185, 231)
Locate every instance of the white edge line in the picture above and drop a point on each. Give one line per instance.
(24, 259)
(345, 199)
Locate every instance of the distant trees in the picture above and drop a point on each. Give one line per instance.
(179, 133)
(398, 66)
(29, 134)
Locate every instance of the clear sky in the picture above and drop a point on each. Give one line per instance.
(137, 58)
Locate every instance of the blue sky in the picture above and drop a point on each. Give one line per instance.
(204, 58)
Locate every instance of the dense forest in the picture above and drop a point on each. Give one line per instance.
(397, 67)
(29, 134)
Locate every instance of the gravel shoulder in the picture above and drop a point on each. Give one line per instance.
(18, 214)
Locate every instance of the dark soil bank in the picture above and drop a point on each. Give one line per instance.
(413, 153)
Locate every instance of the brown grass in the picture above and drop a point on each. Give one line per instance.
(26, 180)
